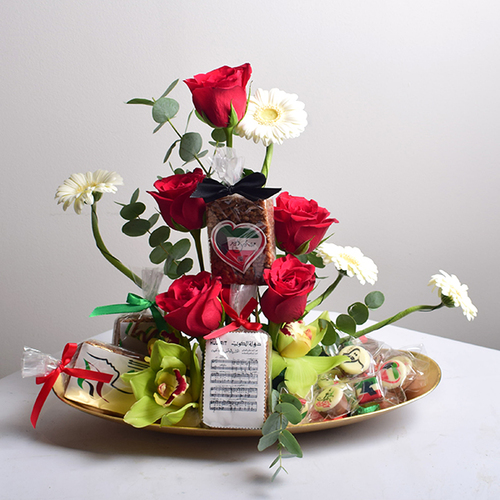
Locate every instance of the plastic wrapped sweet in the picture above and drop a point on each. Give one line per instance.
(236, 374)
(135, 331)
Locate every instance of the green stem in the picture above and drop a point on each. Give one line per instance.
(229, 136)
(105, 252)
(325, 294)
(274, 329)
(267, 160)
(196, 234)
(394, 318)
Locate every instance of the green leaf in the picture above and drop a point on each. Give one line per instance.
(170, 269)
(288, 440)
(136, 227)
(358, 312)
(170, 88)
(275, 396)
(218, 135)
(139, 100)
(315, 260)
(133, 210)
(160, 253)
(180, 249)
(268, 440)
(190, 146)
(290, 398)
(331, 336)
(158, 127)
(374, 300)
(153, 219)
(135, 196)
(164, 109)
(179, 171)
(346, 324)
(159, 235)
(169, 151)
(273, 423)
(184, 266)
(174, 415)
(291, 413)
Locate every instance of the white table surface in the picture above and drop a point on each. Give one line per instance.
(444, 446)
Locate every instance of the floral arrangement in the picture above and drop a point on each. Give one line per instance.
(197, 303)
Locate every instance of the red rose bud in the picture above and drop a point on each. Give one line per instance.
(289, 281)
(300, 224)
(192, 304)
(214, 93)
(178, 210)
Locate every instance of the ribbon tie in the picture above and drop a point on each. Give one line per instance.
(251, 187)
(238, 320)
(49, 380)
(135, 303)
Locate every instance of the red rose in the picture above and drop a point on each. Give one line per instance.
(192, 304)
(297, 221)
(177, 208)
(214, 92)
(289, 281)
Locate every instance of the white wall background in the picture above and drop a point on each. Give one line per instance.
(402, 144)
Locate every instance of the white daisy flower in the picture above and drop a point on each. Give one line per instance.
(272, 116)
(80, 188)
(349, 260)
(450, 286)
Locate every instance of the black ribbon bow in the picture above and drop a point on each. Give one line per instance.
(250, 187)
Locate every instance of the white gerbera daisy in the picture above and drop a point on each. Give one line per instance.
(450, 286)
(349, 260)
(272, 116)
(80, 188)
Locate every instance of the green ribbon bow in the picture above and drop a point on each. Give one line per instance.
(134, 304)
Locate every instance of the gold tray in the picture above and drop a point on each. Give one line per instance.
(433, 377)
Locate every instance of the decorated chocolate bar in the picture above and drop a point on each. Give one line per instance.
(134, 331)
(113, 397)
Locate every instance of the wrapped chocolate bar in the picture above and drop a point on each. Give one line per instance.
(237, 368)
(113, 397)
(144, 322)
(240, 221)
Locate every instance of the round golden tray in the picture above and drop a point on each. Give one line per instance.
(433, 377)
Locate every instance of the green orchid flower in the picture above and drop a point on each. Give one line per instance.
(167, 389)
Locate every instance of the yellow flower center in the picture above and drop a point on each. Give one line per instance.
(268, 115)
(351, 260)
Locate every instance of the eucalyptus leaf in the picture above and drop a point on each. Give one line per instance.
(290, 398)
(272, 423)
(268, 440)
(165, 109)
(184, 266)
(139, 100)
(153, 219)
(358, 312)
(180, 249)
(135, 196)
(179, 171)
(203, 153)
(190, 146)
(170, 88)
(159, 235)
(374, 300)
(169, 151)
(158, 127)
(218, 135)
(136, 227)
(346, 324)
(291, 413)
(133, 210)
(158, 255)
(288, 440)
(331, 336)
(170, 269)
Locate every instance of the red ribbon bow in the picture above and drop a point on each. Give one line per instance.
(238, 319)
(49, 380)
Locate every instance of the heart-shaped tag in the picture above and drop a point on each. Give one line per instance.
(237, 244)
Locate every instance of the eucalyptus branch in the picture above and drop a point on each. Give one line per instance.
(393, 319)
(106, 253)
